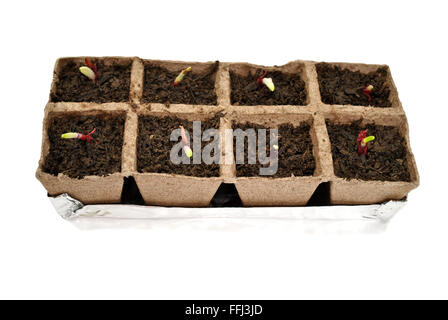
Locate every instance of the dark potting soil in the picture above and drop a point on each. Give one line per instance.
(112, 85)
(295, 153)
(76, 158)
(342, 86)
(154, 146)
(289, 89)
(193, 89)
(386, 155)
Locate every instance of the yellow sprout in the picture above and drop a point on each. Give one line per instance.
(269, 83)
(88, 72)
(275, 147)
(70, 135)
(188, 151)
(366, 140)
(181, 76)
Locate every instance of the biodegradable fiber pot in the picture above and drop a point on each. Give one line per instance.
(379, 182)
(340, 85)
(82, 169)
(111, 86)
(290, 83)
(160, 181)
(299, 168)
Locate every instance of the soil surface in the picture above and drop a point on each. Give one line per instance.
(289, 89)
(112, 85)
(295, 153)
(342, 86)
(193, 89)
(386, 155)
(154, 146)
(76, 158)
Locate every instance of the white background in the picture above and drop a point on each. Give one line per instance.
(43, 256)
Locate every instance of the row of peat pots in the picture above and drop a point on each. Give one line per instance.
(293, 86)
(302, 150)
(117, 118)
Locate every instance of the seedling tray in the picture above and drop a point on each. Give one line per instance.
(171, 189)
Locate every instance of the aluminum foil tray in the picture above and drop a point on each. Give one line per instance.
(310, 219)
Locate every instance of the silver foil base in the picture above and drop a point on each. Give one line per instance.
(359, 218)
